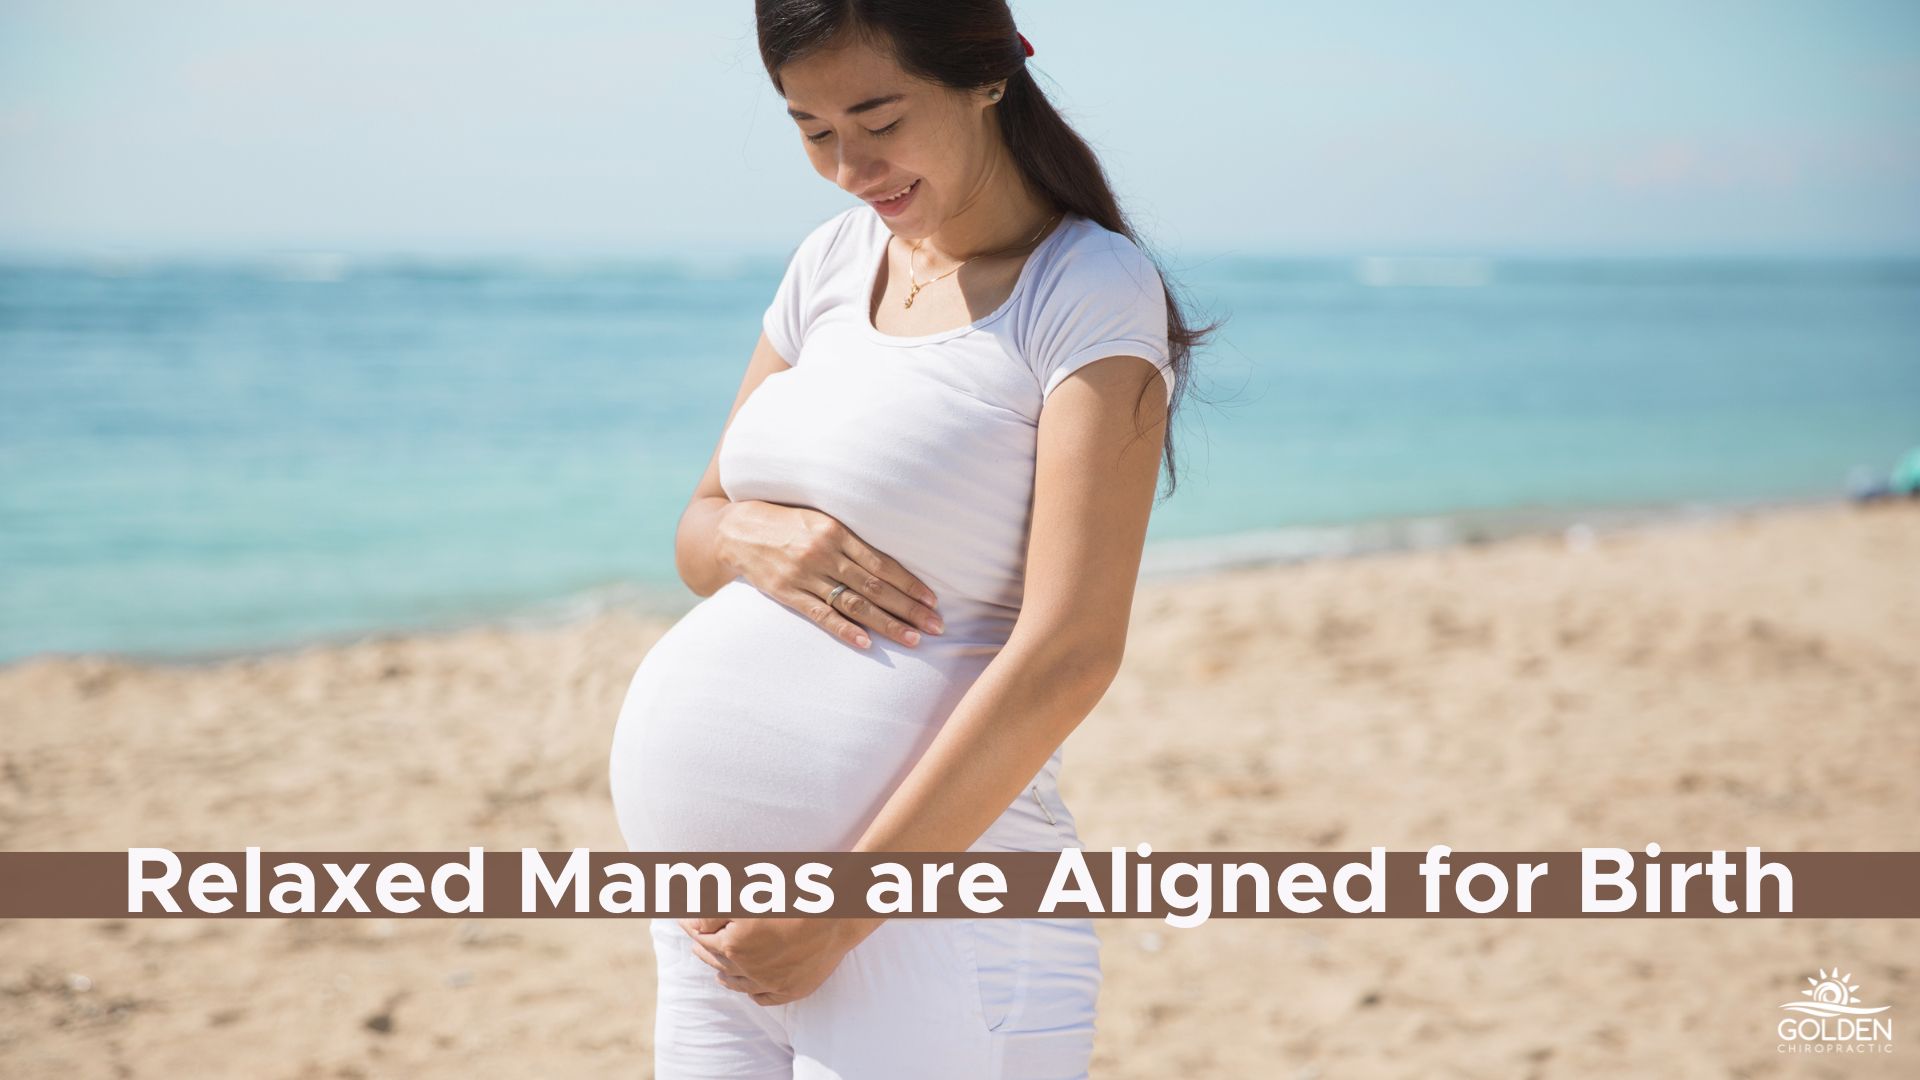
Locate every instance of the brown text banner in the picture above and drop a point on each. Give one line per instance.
(1185, 888)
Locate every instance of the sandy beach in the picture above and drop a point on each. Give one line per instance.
(1751, 680)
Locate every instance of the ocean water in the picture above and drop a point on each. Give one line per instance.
(204, 458)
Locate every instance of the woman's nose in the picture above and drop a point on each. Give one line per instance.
(855, 167)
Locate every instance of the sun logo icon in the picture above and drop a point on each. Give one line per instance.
(1833, 995)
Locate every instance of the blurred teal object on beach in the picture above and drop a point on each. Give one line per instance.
(1906, 475)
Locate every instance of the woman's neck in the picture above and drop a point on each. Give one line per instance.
(1003, 218)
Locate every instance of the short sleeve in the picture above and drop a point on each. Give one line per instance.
(791, 312)
(1103, 298)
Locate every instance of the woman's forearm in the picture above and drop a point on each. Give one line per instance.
(1016, 714)
(699, 552)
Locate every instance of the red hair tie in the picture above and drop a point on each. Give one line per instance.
(1024, 43)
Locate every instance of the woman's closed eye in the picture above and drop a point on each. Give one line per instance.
(881, 134)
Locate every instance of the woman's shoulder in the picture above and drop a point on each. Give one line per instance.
(1091, 256)
(1082, 231)
(1097, 295)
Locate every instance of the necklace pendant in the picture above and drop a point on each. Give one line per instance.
(911, 295)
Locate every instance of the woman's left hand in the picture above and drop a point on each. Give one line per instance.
(775, 959)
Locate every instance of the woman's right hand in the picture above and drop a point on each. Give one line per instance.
(797, 554)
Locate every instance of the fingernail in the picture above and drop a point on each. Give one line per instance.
(911, 637)
(928, 598)
(863, 641)
(934, 624)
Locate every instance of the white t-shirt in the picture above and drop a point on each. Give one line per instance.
(749, 728)
(925, 446)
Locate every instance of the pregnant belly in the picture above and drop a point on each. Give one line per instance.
(749, 728)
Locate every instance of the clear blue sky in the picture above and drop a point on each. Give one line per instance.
(636, 128)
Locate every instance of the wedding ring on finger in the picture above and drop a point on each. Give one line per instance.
(835, 594)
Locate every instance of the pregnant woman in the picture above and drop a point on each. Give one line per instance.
(917, 541)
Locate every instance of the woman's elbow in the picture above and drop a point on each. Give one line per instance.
(688, 579)
(1084, 669)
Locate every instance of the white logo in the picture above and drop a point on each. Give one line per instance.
(1832, 1020)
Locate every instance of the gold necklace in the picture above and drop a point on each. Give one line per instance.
(915, 247)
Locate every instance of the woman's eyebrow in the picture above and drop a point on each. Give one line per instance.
(865, 106)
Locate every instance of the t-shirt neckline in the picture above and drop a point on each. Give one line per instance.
(875, 265)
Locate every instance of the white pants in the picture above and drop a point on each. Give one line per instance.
(930, 998)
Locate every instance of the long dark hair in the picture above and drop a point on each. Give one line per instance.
(966, 44)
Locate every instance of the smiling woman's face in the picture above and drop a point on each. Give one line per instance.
(873, 130)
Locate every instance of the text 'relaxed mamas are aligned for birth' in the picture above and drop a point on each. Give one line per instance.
(1612, 880)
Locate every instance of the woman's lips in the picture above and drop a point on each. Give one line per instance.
(890, 208)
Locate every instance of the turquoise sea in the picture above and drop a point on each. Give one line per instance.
(203, 458)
